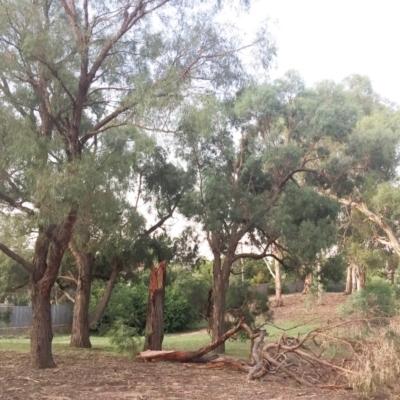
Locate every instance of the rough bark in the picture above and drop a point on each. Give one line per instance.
(49, 250)
(348, 289)
(80, 336)
(116, 269)
(41, 333)
(221, 282)
(155, 308)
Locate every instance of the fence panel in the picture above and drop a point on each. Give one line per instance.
(21, 316)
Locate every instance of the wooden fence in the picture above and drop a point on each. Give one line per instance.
(21, 316)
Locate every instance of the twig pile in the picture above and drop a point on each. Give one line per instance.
(361, 353)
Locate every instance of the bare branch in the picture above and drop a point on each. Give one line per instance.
(13, 203)
(160, 222)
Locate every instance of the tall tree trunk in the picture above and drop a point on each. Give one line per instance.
(116, 269)
(319, 285)
(361, 278)
(278, 285)
(41, 333)
(353, 278)
(221, 283)
(80, 336)
(307, 283)
(348, 289)
(49, 251)
(155, 308)
(391, 276)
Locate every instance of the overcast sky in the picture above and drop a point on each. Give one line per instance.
(325, 39)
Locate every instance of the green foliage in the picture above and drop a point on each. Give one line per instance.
(241, 301)
(178, 313)
(185, 300)
(125, 338)
(194, 287)
(333, 269)
(5, 317)
(128, 303)
(378, 299)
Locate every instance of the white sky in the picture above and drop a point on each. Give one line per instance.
(325, 39)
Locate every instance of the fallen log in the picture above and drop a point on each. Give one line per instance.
(183, 356)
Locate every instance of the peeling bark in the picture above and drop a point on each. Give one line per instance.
(307, 283)
(155, 308)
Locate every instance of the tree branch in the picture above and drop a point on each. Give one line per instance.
(8, 252)
(13, 203)
(160, 222)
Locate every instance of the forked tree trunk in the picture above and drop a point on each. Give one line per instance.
(116, 269)
(349, 287)
(221, 283)
(155, 308)
(49, 251)
(41, 333)
(80, 336)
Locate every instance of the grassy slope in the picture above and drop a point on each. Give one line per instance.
(239, 348)
(296, 314)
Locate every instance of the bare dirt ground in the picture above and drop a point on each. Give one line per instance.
(301, 308)
(91, 374)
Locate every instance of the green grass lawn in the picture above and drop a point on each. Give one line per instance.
(238, 348)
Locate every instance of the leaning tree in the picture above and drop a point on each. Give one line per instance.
(72, 72)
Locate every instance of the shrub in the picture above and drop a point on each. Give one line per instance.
(125, 338)
(241, 301)
(183, 305)
(178, 313)
(378, 299)
(377, 365)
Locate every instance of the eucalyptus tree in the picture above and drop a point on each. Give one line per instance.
(113, 235)
(374, 195)
(253, 151)
(72, 72)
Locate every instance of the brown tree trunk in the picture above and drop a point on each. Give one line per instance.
(361, 278)
(80, 323)
(116, 269)
(155, 308)
(349, 286)
(49, 251)
(221, 283)
(41, 333)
